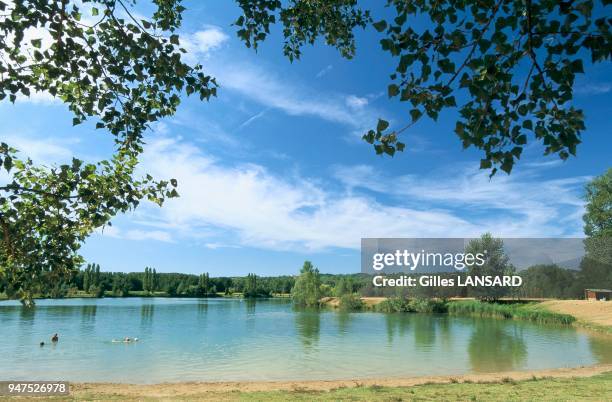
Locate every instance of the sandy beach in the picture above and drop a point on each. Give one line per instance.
(192, 389)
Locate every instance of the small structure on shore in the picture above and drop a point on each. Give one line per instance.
(598, 294)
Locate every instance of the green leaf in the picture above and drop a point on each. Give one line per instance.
(382, 125)
(577, 66)
(393, 90)
(36, 43)
(415, 114)
(380, 25)
(528, 124)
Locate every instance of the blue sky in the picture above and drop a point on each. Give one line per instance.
(273, 171)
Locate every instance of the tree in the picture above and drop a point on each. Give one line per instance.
(307, 288)
(509, 66)
(598, 219)
(87, 278)
(204, 285)
(250, 287)
(497, 263)
(344, 286)
(155, 279)
(512, 63)
(124, 73)
(550, 281)
(121, 285)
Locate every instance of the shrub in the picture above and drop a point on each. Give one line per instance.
(351, 302)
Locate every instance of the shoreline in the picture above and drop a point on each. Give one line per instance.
(186, 389)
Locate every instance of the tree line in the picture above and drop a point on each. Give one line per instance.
(539, 281)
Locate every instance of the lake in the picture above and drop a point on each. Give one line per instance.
(233, 339)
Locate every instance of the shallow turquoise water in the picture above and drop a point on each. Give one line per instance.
(231, 339)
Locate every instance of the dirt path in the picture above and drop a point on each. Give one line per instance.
(186, 389)
(596, 312)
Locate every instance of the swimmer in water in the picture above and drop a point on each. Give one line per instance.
(55, 338)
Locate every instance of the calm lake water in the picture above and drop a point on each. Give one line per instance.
(230, 339)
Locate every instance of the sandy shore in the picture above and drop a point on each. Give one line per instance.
(187, 389)
(591, 311)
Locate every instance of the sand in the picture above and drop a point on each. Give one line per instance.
(590, 311)
(187, 389)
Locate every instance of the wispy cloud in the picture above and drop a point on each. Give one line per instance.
(135, 234)
(275, 90)
(252, 206)
(271, 90)
(251, 119)
(529, 204)
(201, 43)
(324, 71)
(42, 150)
(356, 102)
(594, 88)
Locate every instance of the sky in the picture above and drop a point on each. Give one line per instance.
(273, 171)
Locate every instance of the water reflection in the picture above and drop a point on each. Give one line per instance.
(600, 347)
(26, 316)
(88, 318)
(344, 321)
(308, 326)
(424, 330)
(146, 314)
(202, 307)
(251, 305)
(396, 322)
(496, 346)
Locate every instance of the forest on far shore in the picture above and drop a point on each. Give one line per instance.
(539, 281)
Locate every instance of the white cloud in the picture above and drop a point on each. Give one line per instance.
(135, 234)
(254, 207)
(532, 206)
(39, 98)
(41, 150)
(324, 71)
(157, 235)
(200, 44)
(355, 102)
(274, 91)
(251, 119)
(594, 88)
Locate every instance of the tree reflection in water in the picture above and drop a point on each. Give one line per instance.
(496, 346)
(308, 326)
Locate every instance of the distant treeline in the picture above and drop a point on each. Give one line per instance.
(541, 281)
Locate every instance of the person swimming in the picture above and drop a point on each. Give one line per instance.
(55, 338)
(127, 339)
(42, 344)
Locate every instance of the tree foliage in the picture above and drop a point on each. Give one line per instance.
(497, 263)
(307, 289)
(46, 214)
(596, 267)
(105, 64)
(508, 65)
(598, 219)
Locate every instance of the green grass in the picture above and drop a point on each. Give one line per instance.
(474, 308)
(401, 305)
(524, 311)
(596, 388)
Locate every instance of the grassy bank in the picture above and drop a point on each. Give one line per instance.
(597, 388)
(579, 386)
(529, 311)
(474, 308)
